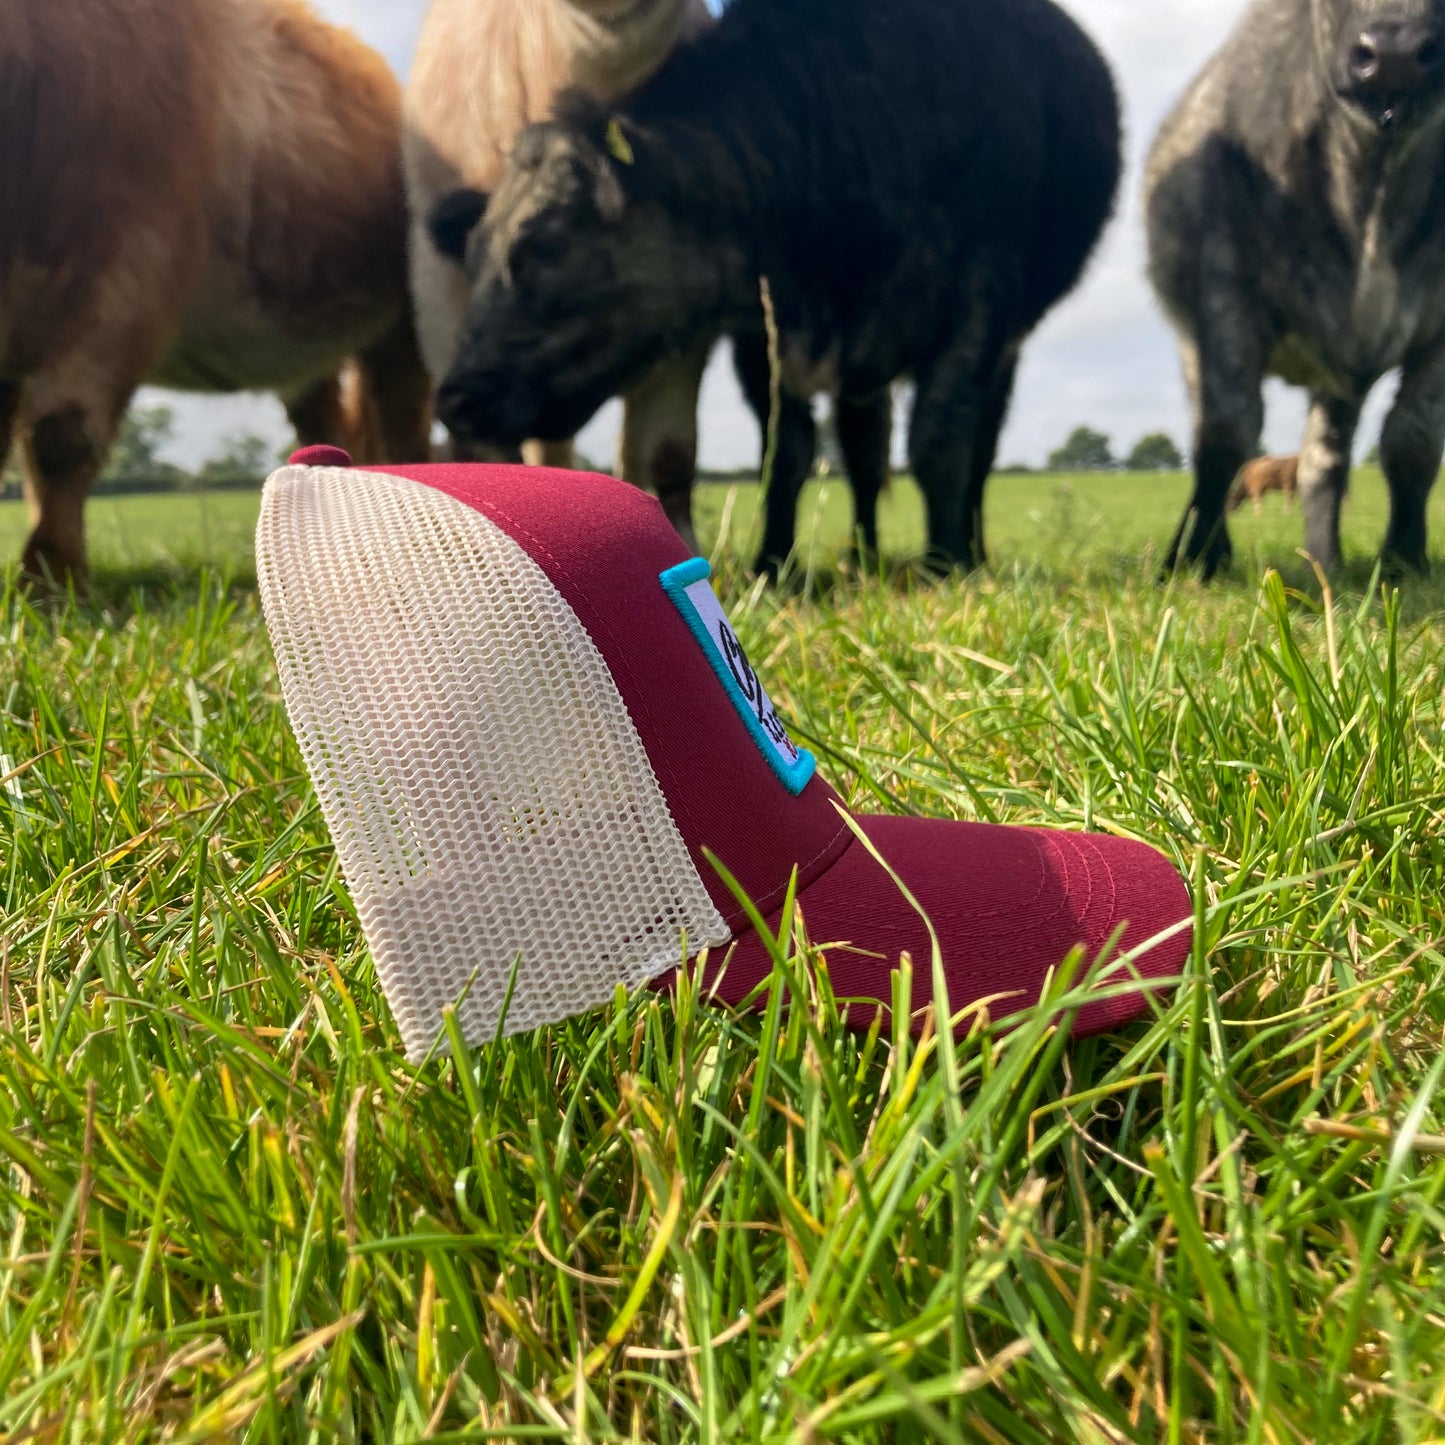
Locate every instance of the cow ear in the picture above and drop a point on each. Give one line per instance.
(452, 219)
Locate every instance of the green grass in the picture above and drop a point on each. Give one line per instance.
(1117, 522)
(230, 1210)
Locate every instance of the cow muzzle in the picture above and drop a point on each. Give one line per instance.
(508, 409)
(475, 409)
(1390, 65)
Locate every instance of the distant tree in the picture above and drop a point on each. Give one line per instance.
(244, 459)
(1086, 450)
(1372, 457)
(1154, 453)
(1013, 469)
(135, 457)
(143, 433)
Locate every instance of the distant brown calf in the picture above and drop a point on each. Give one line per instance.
(1265, 474)
(205, 196)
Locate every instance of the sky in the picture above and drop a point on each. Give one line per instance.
(1104, 356)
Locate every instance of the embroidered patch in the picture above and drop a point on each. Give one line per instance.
(690, 587)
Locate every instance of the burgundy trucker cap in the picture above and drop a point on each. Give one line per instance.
(528, 722)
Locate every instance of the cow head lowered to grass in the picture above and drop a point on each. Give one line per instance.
(578, 287)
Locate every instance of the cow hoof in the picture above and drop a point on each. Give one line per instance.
(939, 562)
(770, 568)
(1208, 557)
(48, 571)
(1213, 562)
(1397, 566)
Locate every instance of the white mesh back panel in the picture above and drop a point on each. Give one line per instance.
(486, 789)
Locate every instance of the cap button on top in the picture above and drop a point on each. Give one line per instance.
(320, 456)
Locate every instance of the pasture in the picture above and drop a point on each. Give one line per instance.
(1095, 523)
(230, 1210)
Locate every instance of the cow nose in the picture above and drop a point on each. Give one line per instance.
(1395, 57)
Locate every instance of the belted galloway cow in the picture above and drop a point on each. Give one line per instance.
(205, 195)
(917, 183)
(1296, 216)
(483, 70)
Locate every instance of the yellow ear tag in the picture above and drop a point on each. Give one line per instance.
(617, 143)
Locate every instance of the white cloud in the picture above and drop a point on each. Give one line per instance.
(1105, 356)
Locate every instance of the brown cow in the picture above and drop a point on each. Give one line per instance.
(1265, 474)
(483, 70)
(204, 195)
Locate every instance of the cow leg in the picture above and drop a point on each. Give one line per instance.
(457, 450)
(395, 389)
(66, 434)
(865, 436)
(318, 414)
(543, 454)
(71, 407)
(352, 410)
(1324, 473)
(949, 413)
(1410, 451)
(1226, 383)
(9, 407)
(793, 455)
(658, 446)
(985, 446)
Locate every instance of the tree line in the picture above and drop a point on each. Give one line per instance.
(1087, 450)
(137, 462)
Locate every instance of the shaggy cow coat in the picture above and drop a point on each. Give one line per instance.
(205, 196)
(1296, 213)
(918, 183)
(484, 69)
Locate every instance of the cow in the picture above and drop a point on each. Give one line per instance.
(1296, 215)
(912, 185)
(483, 70)
(205, 196)
(1265, 474)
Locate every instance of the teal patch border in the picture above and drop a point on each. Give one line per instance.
(675, 582)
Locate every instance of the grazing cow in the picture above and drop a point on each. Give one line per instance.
(1296, 213)
(205, 196)
(1265, 474)
(917, 183)
(483, 70)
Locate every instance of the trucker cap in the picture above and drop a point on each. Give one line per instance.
(532, 730)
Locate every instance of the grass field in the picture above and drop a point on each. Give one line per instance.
(1095, 525)
(229, 1210)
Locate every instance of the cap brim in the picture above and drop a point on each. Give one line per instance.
(1008, 905)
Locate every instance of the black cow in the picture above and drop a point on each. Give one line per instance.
(917, 182)
(1296, 209)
